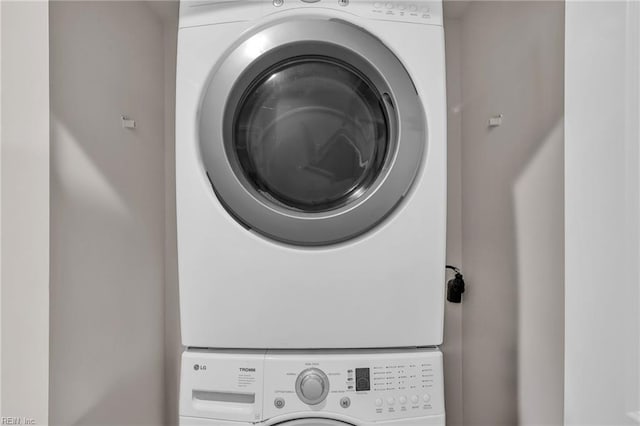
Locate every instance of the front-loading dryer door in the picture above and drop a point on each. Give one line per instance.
(311, 131)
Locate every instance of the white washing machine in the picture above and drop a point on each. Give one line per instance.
(328, 388)
(311, 173)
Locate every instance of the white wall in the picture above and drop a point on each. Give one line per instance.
(25, 210)
(452, 346)
(538, 195)
(512, 219)
(0, 209)
(107, 214)
(173, 343)
(602, 373)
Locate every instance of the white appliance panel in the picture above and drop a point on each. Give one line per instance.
(403, 387)
(241, 290)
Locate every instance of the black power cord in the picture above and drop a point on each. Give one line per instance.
(455, 286)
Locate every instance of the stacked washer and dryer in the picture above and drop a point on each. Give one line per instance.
(311, 197)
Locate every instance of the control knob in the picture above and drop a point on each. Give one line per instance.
(312, 386)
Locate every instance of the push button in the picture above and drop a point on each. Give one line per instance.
(403, 400)
(415, 399)
(379, 402)
(278, 3)
(279, 403)
(391, 401)
(426, 397)
(345, 402)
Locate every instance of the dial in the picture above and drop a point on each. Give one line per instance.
(312, 386)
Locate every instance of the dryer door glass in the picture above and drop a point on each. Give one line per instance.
(311, 134)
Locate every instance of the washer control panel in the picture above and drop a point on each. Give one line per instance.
(368, 385)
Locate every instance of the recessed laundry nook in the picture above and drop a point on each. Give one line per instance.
(320, 212)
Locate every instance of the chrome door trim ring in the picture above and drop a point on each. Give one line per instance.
(313, 421)
(344, 41)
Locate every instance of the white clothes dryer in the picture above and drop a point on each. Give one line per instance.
(311, 173)
(323, 388)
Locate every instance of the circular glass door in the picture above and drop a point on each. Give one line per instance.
(311, 132)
